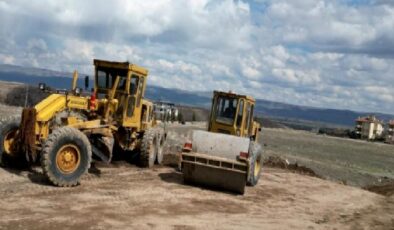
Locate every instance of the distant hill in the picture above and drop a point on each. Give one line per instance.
(267, 108)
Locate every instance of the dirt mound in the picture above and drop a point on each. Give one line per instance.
(269, 123)
(385, 189)
(190, 113)
(278, 162)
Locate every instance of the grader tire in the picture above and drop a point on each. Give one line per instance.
(255, 165)
(160, 140)
(10, 157)
(148, 149)
(66, 156)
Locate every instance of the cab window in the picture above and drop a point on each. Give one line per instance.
(140, 86)
(122, 84)
(133, 84)
(250, 119)
(226, 110)
(240, 113)
(103, 79)
(247, 116)
(106, 77)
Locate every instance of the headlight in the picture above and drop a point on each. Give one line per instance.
(41, 86)
(78, 90)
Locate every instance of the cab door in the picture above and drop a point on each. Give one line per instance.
(249, 123)
(133, 111)
(121, 95)
(240, 118)
(248, 119)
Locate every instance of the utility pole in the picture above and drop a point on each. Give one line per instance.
(27, 95)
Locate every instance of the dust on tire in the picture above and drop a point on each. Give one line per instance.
(148, 149)
(255, 158)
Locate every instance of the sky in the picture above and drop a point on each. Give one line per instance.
(321, 53)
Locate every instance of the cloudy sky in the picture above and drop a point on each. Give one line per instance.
(322, 53)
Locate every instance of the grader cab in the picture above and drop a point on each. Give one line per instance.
(65, 129)
(227, 156)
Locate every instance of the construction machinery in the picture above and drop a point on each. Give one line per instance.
(227, 155)
(69, 127)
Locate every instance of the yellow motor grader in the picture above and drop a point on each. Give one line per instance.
(227, 156)
(67, 128)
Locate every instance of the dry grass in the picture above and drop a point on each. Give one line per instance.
(353, 162)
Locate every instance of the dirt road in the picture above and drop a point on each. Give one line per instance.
(123, 196)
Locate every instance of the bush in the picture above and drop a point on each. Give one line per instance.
(17, 96)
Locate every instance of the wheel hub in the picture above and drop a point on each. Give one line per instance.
(68, 158)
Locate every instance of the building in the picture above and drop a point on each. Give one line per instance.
(369, 128)
(390, 132)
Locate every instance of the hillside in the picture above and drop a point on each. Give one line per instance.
(265, 108)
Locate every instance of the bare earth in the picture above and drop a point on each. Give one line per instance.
(123, 196)
(128, 197)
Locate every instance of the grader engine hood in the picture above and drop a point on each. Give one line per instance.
(54, 103)
(35, 121)
(49, 106)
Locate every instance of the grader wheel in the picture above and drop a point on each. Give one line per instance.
(160, 140)
(66, 156)
(9, 153)
(148, 149)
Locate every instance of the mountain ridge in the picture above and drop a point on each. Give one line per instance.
(31, 75)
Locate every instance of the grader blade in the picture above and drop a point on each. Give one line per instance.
(214, 161)
(103, 148)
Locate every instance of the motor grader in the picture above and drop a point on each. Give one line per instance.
(227, 155)
(65, 130)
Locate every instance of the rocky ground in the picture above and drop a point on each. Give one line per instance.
(6, 111)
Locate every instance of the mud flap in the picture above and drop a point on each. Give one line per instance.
(213, 172)
(27, 134)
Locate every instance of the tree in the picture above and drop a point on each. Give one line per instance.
(194, 116)
(180, 117)
(21, 96)
(173, 116)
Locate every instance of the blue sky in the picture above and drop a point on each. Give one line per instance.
(336, 54)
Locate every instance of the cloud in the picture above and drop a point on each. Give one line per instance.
(7, 59)
(322, 53)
